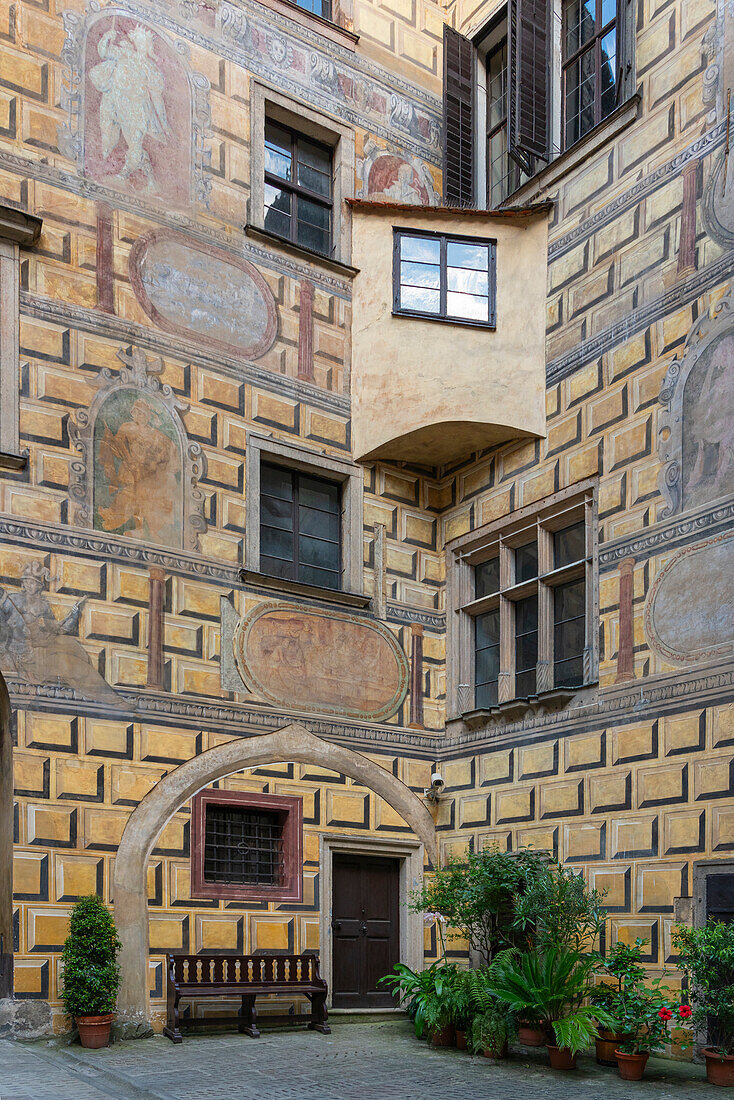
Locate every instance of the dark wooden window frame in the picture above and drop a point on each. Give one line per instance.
(594, 44)
(290, 808)
(296, 475)
(296, 190)
(501, 539)
(445, 239)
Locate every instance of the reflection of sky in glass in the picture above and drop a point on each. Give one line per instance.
(425, 249)
(420, 298)
(471, 307)
(420, 275)
(467, 255)
(470, 282)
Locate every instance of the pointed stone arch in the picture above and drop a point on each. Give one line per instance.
(292, 743)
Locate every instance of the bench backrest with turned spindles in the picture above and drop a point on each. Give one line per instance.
(212, 971)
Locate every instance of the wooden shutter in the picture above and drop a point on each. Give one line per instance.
(528, 81)
(625, 50)
(458, 118)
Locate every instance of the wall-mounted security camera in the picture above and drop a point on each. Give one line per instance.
(433, 792)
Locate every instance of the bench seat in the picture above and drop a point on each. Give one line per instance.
(245, 976)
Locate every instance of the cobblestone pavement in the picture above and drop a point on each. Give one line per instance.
(365, 1060)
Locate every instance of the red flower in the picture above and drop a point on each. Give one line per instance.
(685, 1012)
(665, 1014)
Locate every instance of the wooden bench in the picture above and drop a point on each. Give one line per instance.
(245, 976)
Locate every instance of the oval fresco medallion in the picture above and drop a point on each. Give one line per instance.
(689, 614)
(203, 293)
(324, 662)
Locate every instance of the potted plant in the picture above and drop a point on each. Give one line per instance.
(423, 994)
(643, 1014)
(706, 955)
(621, 970)
(493, 1024)
(91, 976)
(492, 1031)
(462, 1008)
(552, 986)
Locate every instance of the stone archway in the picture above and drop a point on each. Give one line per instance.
(292, 743)
(6, 844)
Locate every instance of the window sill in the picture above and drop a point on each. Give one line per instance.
(301, 253)
(341, 35)
(566, 162)
(10, 461)
(547, 701)
(295, 588)
(415, 316)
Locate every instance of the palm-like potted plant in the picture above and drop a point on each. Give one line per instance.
(552, 986)
(706, 955)
(91, 976)
(621, 969)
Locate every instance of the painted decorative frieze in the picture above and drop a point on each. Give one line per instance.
(320, 662)
(137, 116)
(203, 293)
(689, 612)
(39, 648)
(696, 426)
(138, 473)
(392, 175)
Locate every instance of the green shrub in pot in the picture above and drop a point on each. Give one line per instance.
(91, 975)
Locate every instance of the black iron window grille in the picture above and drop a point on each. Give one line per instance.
(243, 846)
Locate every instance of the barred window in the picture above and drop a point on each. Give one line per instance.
(246, 846)
(243, 846)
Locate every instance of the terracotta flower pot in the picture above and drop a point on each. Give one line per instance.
(94, 1031)
(606, 1045)
(501, 1052)
(530, 1035)
(631, 1066)
(460, 1039)
(444, 1036)
(561, 1057)
(719, 1068)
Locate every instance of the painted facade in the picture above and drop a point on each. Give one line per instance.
(159, 345)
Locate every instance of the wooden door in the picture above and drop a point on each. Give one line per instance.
(365, 929)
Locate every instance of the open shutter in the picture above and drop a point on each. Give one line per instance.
(528, 65)
(625, 51)
(458, 118)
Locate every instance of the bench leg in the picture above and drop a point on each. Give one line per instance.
(248, 1013)
(172, 1030)
(319, 1015)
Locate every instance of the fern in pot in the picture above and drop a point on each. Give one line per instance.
(91, 975)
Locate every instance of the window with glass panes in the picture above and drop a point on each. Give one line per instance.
(527, 589)
(300, 526)
(590, 65)
(318, 7)
(503, 175)
(298, 188)
(444, 278)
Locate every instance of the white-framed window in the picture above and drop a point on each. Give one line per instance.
(522, 617)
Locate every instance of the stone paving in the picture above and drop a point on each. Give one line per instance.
(360, 1060)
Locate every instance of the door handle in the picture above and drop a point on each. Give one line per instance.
(336, 925)
(362, 928)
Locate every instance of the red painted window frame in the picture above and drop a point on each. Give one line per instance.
(290, 806)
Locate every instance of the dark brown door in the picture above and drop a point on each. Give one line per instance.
(365, 930)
